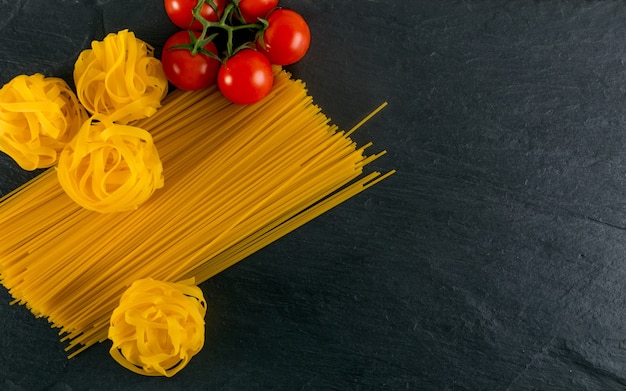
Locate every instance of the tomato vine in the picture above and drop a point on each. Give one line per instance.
(279, 35)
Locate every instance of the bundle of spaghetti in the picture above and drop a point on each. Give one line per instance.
(237, 179)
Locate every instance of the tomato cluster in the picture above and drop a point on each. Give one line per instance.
(232, 43)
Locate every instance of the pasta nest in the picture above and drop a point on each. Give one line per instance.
(120, 77)
(38, 117)
(158, 326)
(110, 167)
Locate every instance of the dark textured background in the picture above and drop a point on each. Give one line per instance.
(494, 259)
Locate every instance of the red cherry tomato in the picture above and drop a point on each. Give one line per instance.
(286, 39)
(251, 10)
(187, 71)
(246, 77)
(180, 12)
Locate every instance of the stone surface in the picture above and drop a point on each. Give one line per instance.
(494, 258)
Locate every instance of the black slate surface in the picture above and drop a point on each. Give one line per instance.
(494, 259)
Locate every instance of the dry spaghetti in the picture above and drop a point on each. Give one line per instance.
(238, 178)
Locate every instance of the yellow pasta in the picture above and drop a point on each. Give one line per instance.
(158, 326)
(38, 117)
(110, 167)
(238, 178)
(119, 77)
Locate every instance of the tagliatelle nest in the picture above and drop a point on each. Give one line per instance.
(158, 326)
(38, 117)
(120, 77)
(110, 167)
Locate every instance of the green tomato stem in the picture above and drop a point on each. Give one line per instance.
(223, 23)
